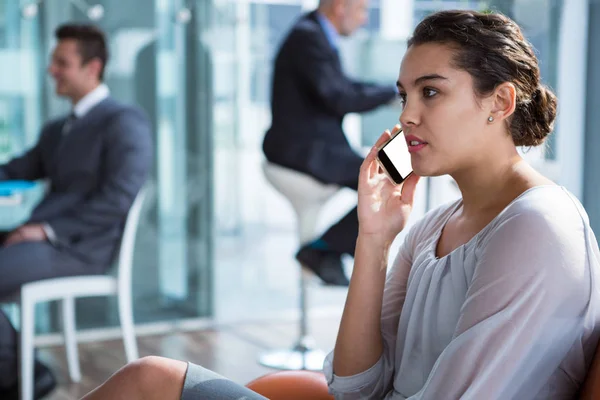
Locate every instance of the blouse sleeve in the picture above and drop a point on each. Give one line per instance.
(522, 314)
(376, 381)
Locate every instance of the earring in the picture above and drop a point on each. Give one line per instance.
(490, 119)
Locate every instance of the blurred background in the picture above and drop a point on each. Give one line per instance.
(216, 242)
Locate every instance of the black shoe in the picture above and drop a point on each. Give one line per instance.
(327, 265)
(44, 383)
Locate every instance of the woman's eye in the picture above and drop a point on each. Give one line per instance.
(428, 92)
(402, 97)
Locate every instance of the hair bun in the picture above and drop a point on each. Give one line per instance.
(536, 117)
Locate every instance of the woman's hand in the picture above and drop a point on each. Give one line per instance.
(383, 207)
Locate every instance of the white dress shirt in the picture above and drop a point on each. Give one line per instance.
(90, 100)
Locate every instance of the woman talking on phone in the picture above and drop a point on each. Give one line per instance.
(494, 296)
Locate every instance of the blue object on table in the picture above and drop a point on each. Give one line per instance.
(9, 188)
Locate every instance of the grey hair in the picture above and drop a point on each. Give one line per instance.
(327, 3)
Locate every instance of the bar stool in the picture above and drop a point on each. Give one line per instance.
(307, 197)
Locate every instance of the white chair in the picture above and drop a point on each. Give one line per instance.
(67, 290)
(307, 196)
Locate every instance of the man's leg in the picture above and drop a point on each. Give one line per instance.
(8, 353)
(339, 165)
(341, 237)
(19, 264)
(323, 256)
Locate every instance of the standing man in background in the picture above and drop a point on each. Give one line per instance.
(95, 160)
(310, 97)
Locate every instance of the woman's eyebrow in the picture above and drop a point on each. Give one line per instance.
(428, 77)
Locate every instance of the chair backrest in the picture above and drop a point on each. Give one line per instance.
(125, 258)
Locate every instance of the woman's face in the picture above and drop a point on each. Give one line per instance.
(443, 121)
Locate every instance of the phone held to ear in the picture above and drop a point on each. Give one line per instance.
(394, 158)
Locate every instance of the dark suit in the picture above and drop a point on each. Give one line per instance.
(94, 172)
(310, 97)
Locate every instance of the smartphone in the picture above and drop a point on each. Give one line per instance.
(394, 158)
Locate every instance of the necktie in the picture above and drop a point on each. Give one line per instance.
(68, 124)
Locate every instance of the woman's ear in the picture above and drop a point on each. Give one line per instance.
(504, 101)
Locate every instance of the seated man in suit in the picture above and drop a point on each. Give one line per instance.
(310, 97)
(96, 160)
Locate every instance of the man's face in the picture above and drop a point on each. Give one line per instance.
(354, 14)
(71, 76)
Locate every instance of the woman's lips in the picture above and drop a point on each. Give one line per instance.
(414, 143)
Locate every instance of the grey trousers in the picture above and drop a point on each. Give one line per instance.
(201, 383)
(20, 264)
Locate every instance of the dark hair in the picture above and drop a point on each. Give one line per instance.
(90, 42)
(492, 49)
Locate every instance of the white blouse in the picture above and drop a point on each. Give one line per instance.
(512, 314)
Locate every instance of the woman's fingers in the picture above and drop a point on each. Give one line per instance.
(409, 187)
(370, 166)
(367, 167)
(385, 137)
(396, 129)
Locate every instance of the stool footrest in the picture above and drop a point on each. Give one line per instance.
(296, 359)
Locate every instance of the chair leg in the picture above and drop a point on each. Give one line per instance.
(304, 355)
(307, 219)
(127, 327)
(68, 317)
(304, 279)
(26, 348)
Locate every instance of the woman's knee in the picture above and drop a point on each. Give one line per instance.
(156, 377)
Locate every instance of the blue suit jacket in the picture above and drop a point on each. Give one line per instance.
(310, 96)
(95, 172)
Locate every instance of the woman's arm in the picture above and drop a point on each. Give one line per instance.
(371, 378)
(358, 368)
(359, 345)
